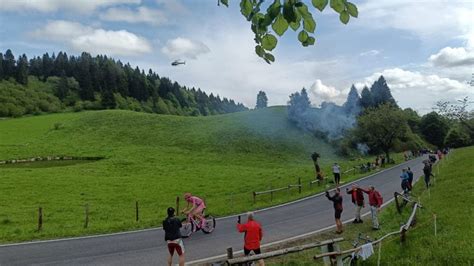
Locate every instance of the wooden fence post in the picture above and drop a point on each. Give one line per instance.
(230, 253)
(299, 185)
(254, 197)
(40, 218)
(136, 211)
(86, 222)
(399, 209)
(177, 205)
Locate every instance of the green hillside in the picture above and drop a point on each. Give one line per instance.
(148, 158)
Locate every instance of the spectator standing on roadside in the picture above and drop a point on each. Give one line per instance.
(253, 235)
(410, 179)
(358, 199)
(427, 173)
(337, 203)
(404, 177)
(375, 202)
(336, 170)
(172, 225)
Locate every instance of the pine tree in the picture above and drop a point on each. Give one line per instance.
(62, 88)
(48, 65)
(1, 67)
(381, 93)
(9, 64)
(366, 98)
(22, 70)
(352, 104)
(86, 91)
(262, 100)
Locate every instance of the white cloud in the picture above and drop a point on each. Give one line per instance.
(418, 90)
(233, 69)
(320, 93)
(184, 48)
(93, 40)
(452, 57)
(370, 53)
(426, 19)
(140, 15)
(82, 6)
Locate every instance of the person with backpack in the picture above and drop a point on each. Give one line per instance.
(375, 202)
(357, 197)
(172, 226)
(337, 202)
(428, 174)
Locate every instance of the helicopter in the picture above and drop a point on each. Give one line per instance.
(178, 62)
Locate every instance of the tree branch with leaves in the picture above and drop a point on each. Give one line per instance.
(284, 14)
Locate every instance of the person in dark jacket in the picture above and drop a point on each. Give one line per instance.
(172, 226)
(427, 173)
(410, 178)
(357, 197)
(253, 236)
(337, 203)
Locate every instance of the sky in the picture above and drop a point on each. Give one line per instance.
(424, 49)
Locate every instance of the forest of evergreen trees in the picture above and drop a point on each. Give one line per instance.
(85, 82)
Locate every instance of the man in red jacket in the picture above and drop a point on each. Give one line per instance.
(253, 236)
(358, 199)
(375, 202)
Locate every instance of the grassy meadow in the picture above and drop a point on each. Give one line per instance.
(151, 159)
(450, 198)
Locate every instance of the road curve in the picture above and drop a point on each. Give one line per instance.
(148, 247)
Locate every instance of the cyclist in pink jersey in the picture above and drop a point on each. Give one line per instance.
(195, 207)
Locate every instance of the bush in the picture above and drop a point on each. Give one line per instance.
(457, 138)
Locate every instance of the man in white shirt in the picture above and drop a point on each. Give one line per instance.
(336, 170)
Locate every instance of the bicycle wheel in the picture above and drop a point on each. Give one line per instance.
(187, 228)
(210, 225)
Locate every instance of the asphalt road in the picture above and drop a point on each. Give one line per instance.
(149, 248)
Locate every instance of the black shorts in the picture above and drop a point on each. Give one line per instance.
(337, 214)
(247, 251)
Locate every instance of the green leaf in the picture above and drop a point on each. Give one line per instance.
(309, 24)
(259, 50)
(320, 4)
(302, 36)
(269, 42)
(270, 57)
(352, 9)
(246, 8)
(289, 12)
(337, 5)
(274, 9)
(303, 10)
(224, 2)
(296, 25)
(344, 17)
(280, 25)
(310, 40)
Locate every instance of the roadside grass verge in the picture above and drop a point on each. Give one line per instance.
(450, 198)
